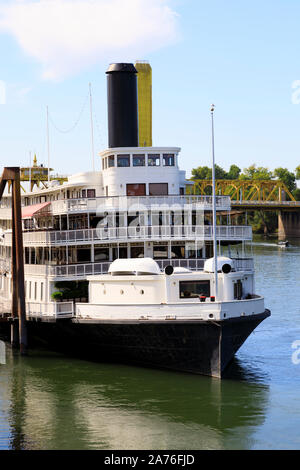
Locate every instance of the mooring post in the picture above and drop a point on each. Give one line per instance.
(19, 286)
(14, 329)
(11, 176)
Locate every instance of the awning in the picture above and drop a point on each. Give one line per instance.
(30, 211)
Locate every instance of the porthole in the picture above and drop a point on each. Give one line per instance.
(142, 292)
(121, 292)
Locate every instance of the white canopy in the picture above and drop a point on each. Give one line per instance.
(134, 266)
(209, 265)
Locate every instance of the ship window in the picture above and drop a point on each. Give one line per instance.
(160, 251)
(137, 251)
(84, 193)
(238, 290)
(193, 289)
(168, 159)
(138, 160)
(91, 193)
(101, 254)
(123, 160)
(154, 159)
(136, 189)
(178, 251)
(158, 189)
(111, 161)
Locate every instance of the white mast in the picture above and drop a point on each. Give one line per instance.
(214, 202)
(92, 128)
(29, 170)
(48, 145)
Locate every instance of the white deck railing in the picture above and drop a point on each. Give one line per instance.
(50, 309)
(125, 203)
(41, 309)
(155, 232)
(90, 269)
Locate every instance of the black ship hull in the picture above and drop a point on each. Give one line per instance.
(197, 347)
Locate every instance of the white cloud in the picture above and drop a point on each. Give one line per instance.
(66, 36)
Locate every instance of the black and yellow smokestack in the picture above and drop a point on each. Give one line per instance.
(122, 101)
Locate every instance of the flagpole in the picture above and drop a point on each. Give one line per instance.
(214, 202)
(92, 128)
(48, 146)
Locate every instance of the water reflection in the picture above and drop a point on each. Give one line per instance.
(60, 403)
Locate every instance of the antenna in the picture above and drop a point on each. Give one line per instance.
(92, 127)
(30, 170)
(214, 201)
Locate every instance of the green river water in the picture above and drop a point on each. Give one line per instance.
(48, 401)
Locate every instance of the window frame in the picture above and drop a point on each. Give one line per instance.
(206, 282)
(123, 157)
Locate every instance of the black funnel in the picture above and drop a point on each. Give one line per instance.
(122, 103)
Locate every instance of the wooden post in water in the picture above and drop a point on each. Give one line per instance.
(12, 175)
(14, 330)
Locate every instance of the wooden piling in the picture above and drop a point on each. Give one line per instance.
(18, 292)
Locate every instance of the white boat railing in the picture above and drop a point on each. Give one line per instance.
(154, 232)
(91, 269)
(125, 203)
(50, 309)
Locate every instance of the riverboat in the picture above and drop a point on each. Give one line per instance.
(126, 264)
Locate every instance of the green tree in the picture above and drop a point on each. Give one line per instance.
(296, 194)
(256, 173)
(201, 173)
(297, 171)
(234, 172)
(287, 177)
(205, 173)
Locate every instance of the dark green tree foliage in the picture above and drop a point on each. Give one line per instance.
(287, 177)
(256, 173)
(234, 172)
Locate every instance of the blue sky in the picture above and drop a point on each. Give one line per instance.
(242, 56)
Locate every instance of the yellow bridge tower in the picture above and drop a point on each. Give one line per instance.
(37, 174)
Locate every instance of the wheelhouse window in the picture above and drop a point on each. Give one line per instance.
(154, 159)
(168, 159)
(138, 160)
(111, 161)
(193, 289)
(123, 160)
